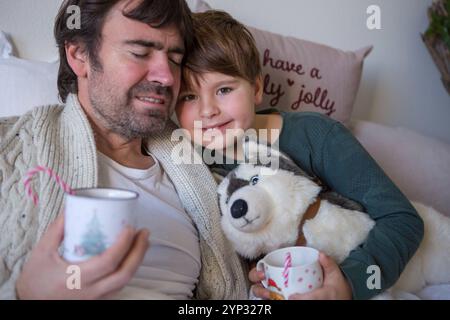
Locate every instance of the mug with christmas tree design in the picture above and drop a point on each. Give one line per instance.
(93, 220)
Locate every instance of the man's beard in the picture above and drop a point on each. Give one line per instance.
(116, 113)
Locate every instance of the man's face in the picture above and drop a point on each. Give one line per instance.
(133, 91)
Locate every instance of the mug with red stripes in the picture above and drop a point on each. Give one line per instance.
(291, 270)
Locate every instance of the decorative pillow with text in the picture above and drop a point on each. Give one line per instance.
(300, 75)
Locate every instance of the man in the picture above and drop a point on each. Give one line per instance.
(119, 78)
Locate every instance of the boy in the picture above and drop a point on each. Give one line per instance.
(222, 86)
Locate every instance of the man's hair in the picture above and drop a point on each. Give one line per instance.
(155, 13)
(221, 44)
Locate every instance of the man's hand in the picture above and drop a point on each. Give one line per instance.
(335, 285)
(44, 274)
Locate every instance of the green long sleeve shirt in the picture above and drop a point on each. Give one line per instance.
(325, 148)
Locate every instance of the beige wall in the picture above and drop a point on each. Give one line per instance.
(400, 86)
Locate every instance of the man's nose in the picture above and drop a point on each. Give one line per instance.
(161, 70)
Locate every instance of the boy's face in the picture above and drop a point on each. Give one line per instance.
(222, 106)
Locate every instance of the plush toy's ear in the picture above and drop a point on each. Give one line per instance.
(259, 152)
(289, 165)
(250, 149)
(263, 154)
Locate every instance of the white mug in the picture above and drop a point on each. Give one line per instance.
(304, 275)
(93, 220)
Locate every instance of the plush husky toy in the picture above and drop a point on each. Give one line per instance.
(264, 209)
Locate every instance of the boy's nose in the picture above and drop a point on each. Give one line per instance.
(208, 109)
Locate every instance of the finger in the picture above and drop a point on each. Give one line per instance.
(108, 261)
(256, 276)
(54, 235)
(260, 292)
(327, 263)
(128, 267)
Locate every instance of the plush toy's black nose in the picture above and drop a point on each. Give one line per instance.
(239, 209)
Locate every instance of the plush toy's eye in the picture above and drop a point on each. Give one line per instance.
(254, 180)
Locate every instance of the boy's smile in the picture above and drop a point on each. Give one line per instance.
(217, 126)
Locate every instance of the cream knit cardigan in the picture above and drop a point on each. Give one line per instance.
(61, 138)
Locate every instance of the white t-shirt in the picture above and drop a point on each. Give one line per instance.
(172, 264)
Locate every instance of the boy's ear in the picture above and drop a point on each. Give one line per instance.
(77, 59)
(258, 90)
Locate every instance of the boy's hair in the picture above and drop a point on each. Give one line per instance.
(156, 13)
(221, 44)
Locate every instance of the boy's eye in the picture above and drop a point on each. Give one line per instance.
(188, 97)
(224, 90)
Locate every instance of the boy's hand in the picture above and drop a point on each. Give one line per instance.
(335, 286)
(44, 274)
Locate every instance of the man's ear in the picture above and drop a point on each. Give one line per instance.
(77, 59)
(258, 90)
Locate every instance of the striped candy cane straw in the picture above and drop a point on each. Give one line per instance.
(29, 176)
(287, 265)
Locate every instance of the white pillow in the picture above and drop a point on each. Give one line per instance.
(5, 46)
(417, 164)
(198, 5)
(26, 84)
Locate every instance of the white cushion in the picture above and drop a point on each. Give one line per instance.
(25, 84)
(417, 164)
(198, 5)
(5, 46)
